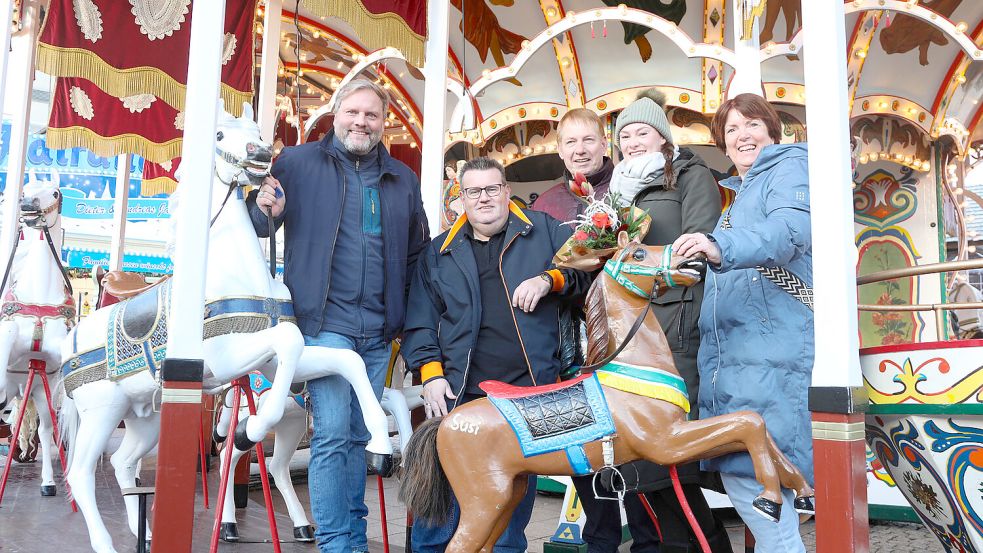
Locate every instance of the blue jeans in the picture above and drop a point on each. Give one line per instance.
(434, 539)
(769, 537)
(336, 474)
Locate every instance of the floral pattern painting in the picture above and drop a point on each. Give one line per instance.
(885, 327)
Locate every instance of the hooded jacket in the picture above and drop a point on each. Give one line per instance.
(757, 340)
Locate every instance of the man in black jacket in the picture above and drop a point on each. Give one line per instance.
(484, 306)
(354, 227)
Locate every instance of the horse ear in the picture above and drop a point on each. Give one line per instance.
(623, 240)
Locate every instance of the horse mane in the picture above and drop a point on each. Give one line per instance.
(598, 333)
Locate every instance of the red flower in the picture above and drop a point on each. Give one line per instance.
(601, 220)
(580, 235)
(580, 187)
(893, 338)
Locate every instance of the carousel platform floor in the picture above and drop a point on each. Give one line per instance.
(31, 523)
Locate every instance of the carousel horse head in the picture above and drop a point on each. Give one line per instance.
(242, 156)
(648, 271)
(40, 205)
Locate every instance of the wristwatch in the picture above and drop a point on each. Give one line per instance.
(547, 277)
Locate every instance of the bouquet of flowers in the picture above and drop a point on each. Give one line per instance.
(595, 237)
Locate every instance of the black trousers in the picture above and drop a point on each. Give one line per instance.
(602, 531)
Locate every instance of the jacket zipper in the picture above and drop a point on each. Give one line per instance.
(361, 238)
(518, 333)
(334, 240)
(464, 383)
(716, 338)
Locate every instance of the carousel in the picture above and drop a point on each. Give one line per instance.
(125, 173)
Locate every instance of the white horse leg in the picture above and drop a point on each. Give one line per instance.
(394, 403)
(45, 439)
(8, 335)
(318, 361)
(141, 436)
(289, 432)
(245, 353)
(96, 425)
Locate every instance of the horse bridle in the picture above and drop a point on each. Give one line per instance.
(244, 166)
(31, 220)
(616, 270)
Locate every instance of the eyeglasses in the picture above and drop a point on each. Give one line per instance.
(473, 193)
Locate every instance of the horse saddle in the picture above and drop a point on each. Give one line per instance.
(259, 384)
(555, 417)
(138, 333)
(124, 285)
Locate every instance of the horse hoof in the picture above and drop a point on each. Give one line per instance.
(380, 463)
(805, 505)
(48, 491)
(229, 531)
(241, 440)
(767, 508)
(304, 534)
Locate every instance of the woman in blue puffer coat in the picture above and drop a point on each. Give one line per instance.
(756, 323)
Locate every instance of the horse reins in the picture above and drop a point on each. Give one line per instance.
(617, 270)
(51, 246)
(236, 161)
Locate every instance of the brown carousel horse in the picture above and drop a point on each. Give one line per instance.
(475, 451)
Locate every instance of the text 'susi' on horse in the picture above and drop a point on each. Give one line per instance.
(632, 407)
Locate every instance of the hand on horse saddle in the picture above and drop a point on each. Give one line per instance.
(124, 285)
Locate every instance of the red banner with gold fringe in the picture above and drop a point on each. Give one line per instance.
(401, 24)
(159, 178)
(82, 115)
(142, 47)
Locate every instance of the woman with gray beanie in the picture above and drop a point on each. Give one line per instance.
(675, 187)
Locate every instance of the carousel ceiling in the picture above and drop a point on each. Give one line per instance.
(914, 63)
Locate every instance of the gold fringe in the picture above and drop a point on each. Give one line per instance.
(159, 185)
(111, 146)
(375, 30)
(85, 64)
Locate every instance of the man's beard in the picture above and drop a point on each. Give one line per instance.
(358, 147)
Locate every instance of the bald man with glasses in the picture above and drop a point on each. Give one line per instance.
(484, 305)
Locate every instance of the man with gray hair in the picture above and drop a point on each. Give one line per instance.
(354, 226)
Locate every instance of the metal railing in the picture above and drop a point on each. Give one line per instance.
(932, 268)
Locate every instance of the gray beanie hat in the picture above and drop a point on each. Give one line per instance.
(649, 108)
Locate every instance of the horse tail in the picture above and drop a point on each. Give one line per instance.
(424, 488)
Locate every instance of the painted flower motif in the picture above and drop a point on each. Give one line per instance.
(89, 19)
(81, 103)
(167, 165)
(893, 339)
(138, 102)
(179, 121)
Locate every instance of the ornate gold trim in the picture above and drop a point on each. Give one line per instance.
(158, 185)
(838, 431)
(111, 146)
(377, 30)
(85, 64)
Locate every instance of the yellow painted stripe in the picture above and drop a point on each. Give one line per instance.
(643, 388)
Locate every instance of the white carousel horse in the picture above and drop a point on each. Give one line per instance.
(248, 325)
(37, 311)
(288, 434)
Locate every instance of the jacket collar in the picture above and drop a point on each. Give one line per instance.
(389, 164)
(601, 178)
(455, 231)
